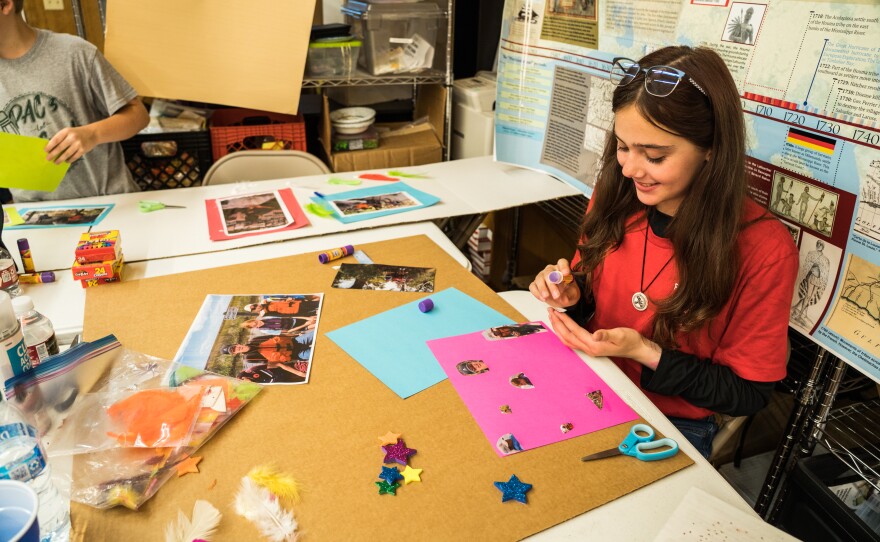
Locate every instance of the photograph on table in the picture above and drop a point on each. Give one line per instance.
(244, 215)
(263, 338)
(527, 391)
(61, 216)
(390, 278)
(374, 204)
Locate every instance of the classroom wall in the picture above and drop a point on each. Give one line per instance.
(63, 21)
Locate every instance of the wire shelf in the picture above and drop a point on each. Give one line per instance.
(852, 434)
(568, 212)
(361, 78)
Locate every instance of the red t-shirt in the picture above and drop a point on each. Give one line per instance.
(749, 335)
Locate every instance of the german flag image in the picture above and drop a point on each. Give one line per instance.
(811, 141)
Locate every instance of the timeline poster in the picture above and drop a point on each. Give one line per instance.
(809, 79)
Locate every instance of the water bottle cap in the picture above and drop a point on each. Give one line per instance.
(8, 320)
(22, 305)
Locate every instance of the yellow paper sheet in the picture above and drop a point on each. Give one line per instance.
(246, 54)
(11, 217)
(23, 164)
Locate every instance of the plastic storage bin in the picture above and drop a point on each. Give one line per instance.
(398, 38)
(247, 129)
(812, 513)
(168, 159)
(331, 57)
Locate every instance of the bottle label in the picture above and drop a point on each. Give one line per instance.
(40, 351)
(32, 464)
(16, 357)
(8, 276)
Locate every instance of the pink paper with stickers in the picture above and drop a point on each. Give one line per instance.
(525, 388)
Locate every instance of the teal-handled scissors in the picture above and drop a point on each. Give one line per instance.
(639, 443)
(147, 206)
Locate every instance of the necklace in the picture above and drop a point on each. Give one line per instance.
(639, 299)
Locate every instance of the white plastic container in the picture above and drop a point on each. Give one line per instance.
(398, 37)
(330, 57)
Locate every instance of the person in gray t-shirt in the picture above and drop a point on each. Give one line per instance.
(59, 87)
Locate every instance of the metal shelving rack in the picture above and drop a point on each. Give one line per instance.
(433, 76)
(852, 434)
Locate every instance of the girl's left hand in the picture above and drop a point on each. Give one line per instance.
(620, 342)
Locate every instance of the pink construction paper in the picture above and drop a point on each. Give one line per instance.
(561, 383)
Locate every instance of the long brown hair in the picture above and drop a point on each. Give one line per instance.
(704, 230)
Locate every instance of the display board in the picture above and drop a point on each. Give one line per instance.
(324, 433)
(809, 78)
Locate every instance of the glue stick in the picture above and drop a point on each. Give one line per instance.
(27, 261)
(335, 254)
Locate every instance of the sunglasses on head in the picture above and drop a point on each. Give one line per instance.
(660, 81)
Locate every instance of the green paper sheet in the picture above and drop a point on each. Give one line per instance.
(23, 164)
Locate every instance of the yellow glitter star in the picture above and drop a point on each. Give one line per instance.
(389, 438)
(122, 495)
(411, 475)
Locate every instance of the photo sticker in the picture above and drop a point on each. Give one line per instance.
(512, 331)
(472, 367)
(507, 444)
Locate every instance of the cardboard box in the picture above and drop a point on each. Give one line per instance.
(98, 246)
(412, 147)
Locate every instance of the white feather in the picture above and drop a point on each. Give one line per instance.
(205, 519)
(260, 506)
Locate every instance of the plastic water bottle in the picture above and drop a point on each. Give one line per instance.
(14, 358)
(22, 458)
(39, 335)
(8, 274)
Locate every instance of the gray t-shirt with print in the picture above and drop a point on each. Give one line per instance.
(65, 81)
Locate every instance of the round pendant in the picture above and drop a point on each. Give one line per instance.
(640, 301)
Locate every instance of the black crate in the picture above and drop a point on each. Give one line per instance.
(811, 512)
(168, 159)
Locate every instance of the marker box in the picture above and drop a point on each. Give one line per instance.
(96, 270)
(117, 276)
(102, 246)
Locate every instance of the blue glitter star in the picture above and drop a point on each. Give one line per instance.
(390, 474)
(513, 489)
(386, 488)
(397, 453)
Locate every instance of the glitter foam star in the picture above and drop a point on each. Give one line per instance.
(397, 453)
(514, 489)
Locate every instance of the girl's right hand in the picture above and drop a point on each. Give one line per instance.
(560, 295)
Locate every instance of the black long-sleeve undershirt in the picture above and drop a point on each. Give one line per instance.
(699, 381)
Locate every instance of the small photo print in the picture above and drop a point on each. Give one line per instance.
(521, 381)
(507, 444)
(374, 204)
(64, 216)
(254, 213)
(472, 367)
(512, 331)
(266, 339)
(743, 22)
(392, 278)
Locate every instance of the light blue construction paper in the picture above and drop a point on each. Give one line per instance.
(391, 345)
(424, 198)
